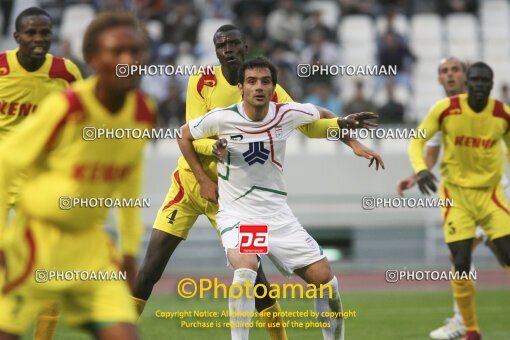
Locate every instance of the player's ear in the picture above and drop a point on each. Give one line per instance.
(93, 63)
(240, 88)
(16, 37)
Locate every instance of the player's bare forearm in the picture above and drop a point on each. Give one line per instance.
(353, 121)
(351, 142)
(362, 151)
(431, 156)
(325, 113)
(191, 156)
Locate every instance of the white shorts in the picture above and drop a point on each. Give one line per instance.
(290, 245)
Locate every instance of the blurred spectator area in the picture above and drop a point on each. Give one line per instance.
(290, 32)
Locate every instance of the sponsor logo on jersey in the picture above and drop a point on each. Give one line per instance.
(3, 71)
(256, 153)
(16, 109)
(209, 82)
(236, 137)
(97, 172)
(474, 142)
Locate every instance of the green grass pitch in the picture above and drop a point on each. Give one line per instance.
(379, 315)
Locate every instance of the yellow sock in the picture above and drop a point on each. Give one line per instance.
(275, 333)
(140, 305)
(46, 322)
(464, 294)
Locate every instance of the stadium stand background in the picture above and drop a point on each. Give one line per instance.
(326, 182)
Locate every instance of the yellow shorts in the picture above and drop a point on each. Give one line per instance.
(487, 208)
(182, 206)
(79, 269)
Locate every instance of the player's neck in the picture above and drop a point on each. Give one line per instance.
(230, 74)
(29, 63)
(111, 100)
(477, 105)
(455, 93)
(255, 113)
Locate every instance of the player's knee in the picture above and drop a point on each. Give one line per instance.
(262, 299)
(462, 264)
(150, 274)
(461, 255)
(504, 254)
(503, 248)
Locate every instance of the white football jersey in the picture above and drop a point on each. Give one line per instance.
(251, 180)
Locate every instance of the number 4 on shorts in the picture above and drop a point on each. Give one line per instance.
(171, 216)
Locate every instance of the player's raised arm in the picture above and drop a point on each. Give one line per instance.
(28, 144)
(431, 125)
(355, 121)
(208, 189)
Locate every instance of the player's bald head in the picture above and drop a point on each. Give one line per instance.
(451, 59)
(481, 65)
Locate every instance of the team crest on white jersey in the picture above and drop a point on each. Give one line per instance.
(278, 131)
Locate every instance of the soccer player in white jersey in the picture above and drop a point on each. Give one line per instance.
(252, 191)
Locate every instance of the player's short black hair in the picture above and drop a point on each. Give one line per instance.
(105, 21)
(30, 12)
(228, 28)
(480, 64)
(463, 65)
(258, 62)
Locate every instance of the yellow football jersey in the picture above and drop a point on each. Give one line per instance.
(473, 154)
(209, 91)
(22, 91)
(75, 167)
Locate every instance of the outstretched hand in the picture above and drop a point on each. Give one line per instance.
(365, 152)
(405, 184)
(426, 180)
(209, 191)
(357, 121)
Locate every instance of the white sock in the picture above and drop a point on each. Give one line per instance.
(241, 307)
(456, 312)
(325, 304)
